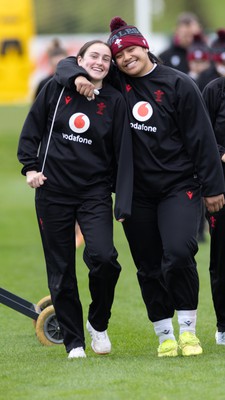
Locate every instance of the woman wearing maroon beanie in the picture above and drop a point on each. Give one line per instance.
(172, 138)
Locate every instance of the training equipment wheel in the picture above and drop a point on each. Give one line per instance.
(45, 302)
(42, 304)
(47, 327)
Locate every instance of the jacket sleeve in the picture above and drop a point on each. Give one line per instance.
(122, 143)
(34, 128)
(67, 70)
(198, 136)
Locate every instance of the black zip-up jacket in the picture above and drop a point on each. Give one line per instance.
(91, 144)
(173, 137)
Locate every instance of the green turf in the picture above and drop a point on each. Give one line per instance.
(30, 371)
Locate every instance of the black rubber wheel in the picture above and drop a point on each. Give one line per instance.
(47, 327)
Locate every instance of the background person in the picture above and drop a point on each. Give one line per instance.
(217, 68)
(74, 173)
(55, 53)
(214, 96)
(187, 25)
(198, 56)
(172, 138)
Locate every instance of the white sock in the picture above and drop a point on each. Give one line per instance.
(187, 320)
(164, 329)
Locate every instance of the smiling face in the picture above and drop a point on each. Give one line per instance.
(96, 61)
(134, 61)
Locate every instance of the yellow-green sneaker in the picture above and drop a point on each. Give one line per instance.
(189, 344)
(168, 348)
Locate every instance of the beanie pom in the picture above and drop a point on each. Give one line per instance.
(117, 23)
(221, 34)
(198, 37)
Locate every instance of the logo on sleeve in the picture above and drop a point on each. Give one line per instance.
(212, 222)
(79, 123)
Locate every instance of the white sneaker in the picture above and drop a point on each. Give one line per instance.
(78, 352)
(220, 338)
(100, 341)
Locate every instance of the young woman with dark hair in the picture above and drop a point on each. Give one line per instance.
(75, 153)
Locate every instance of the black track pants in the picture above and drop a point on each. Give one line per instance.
(57, 215)
(162, 238)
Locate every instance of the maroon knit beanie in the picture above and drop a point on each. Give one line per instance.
(124, 36)
(198, 50)
(218, 47)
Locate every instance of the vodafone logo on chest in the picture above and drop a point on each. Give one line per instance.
(79, 122)
(142, 111)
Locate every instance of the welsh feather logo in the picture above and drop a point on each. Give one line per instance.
(142, 111)
(79, 123)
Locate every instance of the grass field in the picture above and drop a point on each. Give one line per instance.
(30, 371)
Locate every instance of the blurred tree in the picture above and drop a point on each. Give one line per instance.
(73, 16)
(88, 16)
